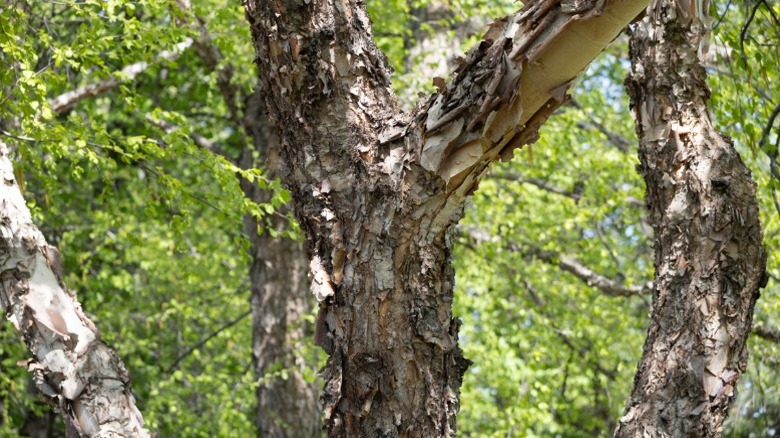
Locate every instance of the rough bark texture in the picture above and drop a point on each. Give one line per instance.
(709, 259)
(280, 298)
(377, 190)
(70, 365)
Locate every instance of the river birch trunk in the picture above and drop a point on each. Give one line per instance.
(377, 191)
(71, 366)
(709, 259)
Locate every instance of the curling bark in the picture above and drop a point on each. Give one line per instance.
(70, 365)
(709, 259)
(377, 191)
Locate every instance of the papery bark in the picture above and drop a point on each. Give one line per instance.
(709, 258)
(377, 191)
(71, 366)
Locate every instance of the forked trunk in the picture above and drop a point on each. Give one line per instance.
(377, 190)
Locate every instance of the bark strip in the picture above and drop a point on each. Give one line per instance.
(709, 259)
(71, 366)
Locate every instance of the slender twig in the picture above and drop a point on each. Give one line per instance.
(203, 341)
(574, 194)
(617, 140)
(607, 285)
(766, 333)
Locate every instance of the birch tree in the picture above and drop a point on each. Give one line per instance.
(709, 259)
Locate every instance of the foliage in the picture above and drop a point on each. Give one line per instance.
(149, 224)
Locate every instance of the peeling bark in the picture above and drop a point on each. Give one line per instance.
(377, 191)
(71, 366)
(709, 259)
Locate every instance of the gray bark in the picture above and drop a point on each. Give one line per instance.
(377, 191)
(70, 365)
(709, 259)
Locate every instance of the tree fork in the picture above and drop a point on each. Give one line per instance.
(377, 190)
(709, 259)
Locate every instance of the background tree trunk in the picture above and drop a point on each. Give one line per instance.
(709, 259)
(286, 407)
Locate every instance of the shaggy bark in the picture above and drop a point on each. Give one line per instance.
(377, 190)
(70, 365)
(709, 259)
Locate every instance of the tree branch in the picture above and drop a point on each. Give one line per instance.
(211, 57)
(70, 365)
(574, 194)
(767, 333)
(512, 82)
(607, 285)
(617, 140)
(203, 341)
(70, 99)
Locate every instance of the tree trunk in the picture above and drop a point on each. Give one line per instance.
(286, 407)
(709, 259)
(70, 365)
(377, 191)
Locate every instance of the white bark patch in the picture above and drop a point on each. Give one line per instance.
(71, 366)
(321, 286)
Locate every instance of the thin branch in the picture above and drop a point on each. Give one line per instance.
(617, 140)
(605, 284)
(588, 276)
(766, 333)
(17, 137)
(768, 128)
(211, 57)
(70, 99)
(203, 341)
(574, 194)
(610, 374)
(199, 140)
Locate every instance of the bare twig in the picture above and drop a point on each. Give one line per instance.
(574, 194)
(203, 341)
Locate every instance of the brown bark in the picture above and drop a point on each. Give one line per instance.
(709, 259)
(377, 190)
(70, 365)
